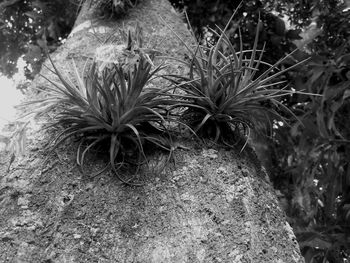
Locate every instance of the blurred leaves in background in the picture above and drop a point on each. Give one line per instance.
(27, 27)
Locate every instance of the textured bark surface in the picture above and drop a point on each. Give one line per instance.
(208, 205)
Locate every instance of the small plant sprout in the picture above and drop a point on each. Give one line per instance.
(111, 108)
(224, 94)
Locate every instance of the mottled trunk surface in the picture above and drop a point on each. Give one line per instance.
(209, 205)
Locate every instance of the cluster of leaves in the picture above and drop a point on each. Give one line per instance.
(112, 108)
(224, 92)
(303, 13)
(114, 8)
(335, 24)
(30, 27)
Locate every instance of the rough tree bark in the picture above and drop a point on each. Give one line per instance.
(211, 205)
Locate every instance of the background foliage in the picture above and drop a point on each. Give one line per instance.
(27, 27)
(308, 161)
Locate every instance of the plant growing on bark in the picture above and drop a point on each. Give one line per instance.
(110, 107)
(225, 92)
(114, 8)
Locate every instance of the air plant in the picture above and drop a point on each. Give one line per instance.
(224, 93)
(111, 107)
(114, 8)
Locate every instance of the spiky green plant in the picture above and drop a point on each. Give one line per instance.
(114, 8)
(225, 93)
(111, 107)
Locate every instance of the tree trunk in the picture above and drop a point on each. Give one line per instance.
(210, 205)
